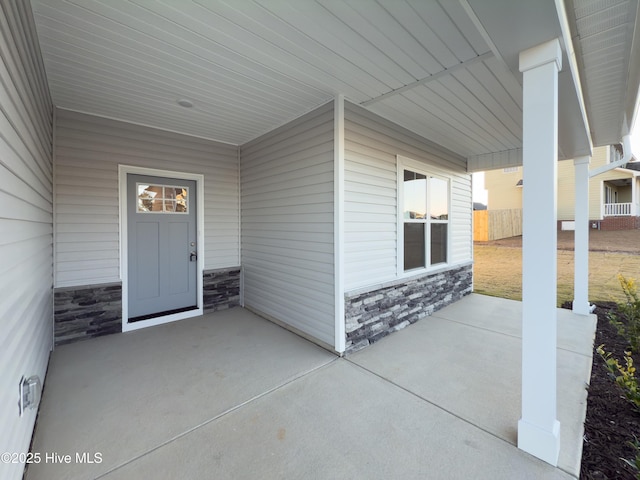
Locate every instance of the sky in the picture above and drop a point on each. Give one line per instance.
(480, 194)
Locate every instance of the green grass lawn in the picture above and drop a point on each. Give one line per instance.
(498, 272)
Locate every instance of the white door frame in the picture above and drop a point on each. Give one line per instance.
(123, 170)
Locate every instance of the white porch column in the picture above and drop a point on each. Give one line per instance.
(634, 197)
(538, 429)
(581, 304)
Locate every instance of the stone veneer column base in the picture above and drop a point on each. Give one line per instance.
(89, 311)
(371, 315)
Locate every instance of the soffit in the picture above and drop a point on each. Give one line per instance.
(250, 66)
(609, 60)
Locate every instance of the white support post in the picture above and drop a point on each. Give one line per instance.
(538, 428)
(581, 304)
(634, 197)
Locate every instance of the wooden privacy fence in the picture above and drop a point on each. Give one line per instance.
(496, 224)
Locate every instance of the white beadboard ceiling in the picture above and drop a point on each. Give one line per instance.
(445, 69)
(609, 55)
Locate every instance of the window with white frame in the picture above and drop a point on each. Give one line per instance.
(425, 219)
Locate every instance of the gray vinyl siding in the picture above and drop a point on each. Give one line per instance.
(25, 223)
(287, 224)
(88, 152)
(371, 148)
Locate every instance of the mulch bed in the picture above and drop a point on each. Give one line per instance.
(611, 421)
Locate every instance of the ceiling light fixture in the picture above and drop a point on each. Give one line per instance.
(183, 102)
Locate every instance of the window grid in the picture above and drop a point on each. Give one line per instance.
(155, 198)
(427, 246)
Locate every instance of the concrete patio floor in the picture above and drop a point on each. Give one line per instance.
(231, 395)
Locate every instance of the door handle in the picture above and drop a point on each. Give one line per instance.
(193, 256)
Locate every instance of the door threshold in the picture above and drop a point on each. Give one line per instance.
(162, 314)
(160, 318)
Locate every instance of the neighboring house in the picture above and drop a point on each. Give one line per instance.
(308, 160)
(614, 196)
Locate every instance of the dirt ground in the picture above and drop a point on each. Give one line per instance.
(618, 241)
(498, 265)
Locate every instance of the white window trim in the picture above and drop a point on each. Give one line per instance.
(402, 164)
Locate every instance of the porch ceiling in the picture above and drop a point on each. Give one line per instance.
(250, 66)
(608, 53)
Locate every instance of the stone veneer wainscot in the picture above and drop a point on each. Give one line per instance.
(221, 289)
(89, 311)
(373, 314)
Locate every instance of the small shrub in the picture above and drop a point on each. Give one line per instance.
(635, 463)
(625, 375)
(627, 321)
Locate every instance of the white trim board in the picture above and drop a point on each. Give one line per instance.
(338, 223)
(123, 170)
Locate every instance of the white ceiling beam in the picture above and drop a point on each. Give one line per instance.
(563, 19)
(430, 78)
(485, 35)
